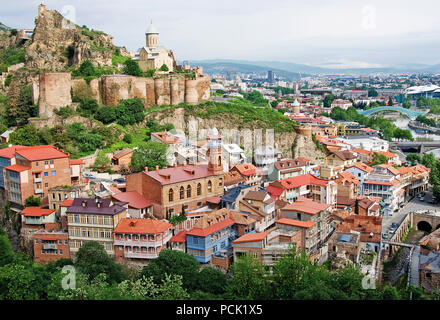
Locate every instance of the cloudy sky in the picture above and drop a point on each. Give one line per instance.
(318, 32)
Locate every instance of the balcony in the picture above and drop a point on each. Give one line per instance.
(38, 179)
(37, 191)
(141, 242)
(49, 246)
(140, 255)
(36, 221)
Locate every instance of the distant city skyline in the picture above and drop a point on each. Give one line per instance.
(335, 34)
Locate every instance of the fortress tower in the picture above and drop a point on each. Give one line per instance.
(214, 153)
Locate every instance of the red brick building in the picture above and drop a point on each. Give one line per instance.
(36, 170)
(39, 218)
(50, 246)
(189, 186)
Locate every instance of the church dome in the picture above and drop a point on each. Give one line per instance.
(151, 29)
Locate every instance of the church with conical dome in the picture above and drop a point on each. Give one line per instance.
(153, 55)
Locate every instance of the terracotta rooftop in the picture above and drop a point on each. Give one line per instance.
(346, 177)
(165, 137)
(246, 169)
(291, 163)
(296, 223)
(66, 203)
(121, 153)
(9, 152)
(251, 237)
(73, 162)
(179, 174)
(36, 153)
(306, 206)
(141, 226)
(36, 212)
(302, 180)
(232, 177)
(344, 155)
(180, 237)
(134, 199)
(17, 168)
(363, 167)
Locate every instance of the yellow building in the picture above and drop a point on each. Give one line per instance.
(153, 56)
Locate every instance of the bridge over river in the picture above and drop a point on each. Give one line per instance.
(412, 114)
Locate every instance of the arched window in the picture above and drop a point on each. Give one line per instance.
(182, 192)
(199, 189)
(219, 160)
(188, 191)
(209, 186)
(170, 195)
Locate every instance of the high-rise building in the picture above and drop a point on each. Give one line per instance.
(270, 76)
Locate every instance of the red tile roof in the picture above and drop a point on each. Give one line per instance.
(17, 168)
(246, 169)
(41, 153)
(211, 229)
(363, 167)
(251, 237)
(362, 151)
(36, 212)
(134, 199)
(9, 152)
(179, 174)
(274, 192)
(302, 180)
(306, 206)
(66, 203)
(180, 237)
(141, 226)
(296, 223)
(73, 162)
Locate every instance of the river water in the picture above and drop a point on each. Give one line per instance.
(403, 124)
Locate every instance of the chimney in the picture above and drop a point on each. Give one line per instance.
(157, 168)
(146, 169)
(99, 203)
(84, 203)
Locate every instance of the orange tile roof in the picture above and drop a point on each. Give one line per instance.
(17, 168)
(274, 191)
(134, 199)
(251, 237)
(346, 176)
(41, 153)
(179, 174)
(362, 151)
(9, 152)
(211, 229)
(302, 180)
(73, 162)
(384, 183)
(180, 237)
(165, 137)
(246, 169)
(141, 226)
(363, 167)
(36, 212)
(306, 206)
(387, 154)
(296, 223)
(66, 203)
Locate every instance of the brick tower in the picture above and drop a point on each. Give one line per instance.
(214, 153)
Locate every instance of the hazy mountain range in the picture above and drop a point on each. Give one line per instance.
(294, 70)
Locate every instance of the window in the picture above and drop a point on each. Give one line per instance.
(170, 195)
(59, 196)
(59, 241)
(182, 193)
(36, 163)
(51, 161)
(46, 162)
(188, 191)
(209, 186)
(46, 185)
(61, 251)
(53, 172)
(36, 240)
(220, 182)
(65, 241)
(195, 240)
(53, 196)
(46, 174)
(199, 189)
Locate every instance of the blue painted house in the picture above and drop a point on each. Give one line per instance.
(7, 158)
(215, 232)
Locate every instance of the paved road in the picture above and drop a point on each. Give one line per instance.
(413, 205)
(414, 269)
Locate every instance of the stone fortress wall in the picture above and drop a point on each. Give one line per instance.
(54, 90)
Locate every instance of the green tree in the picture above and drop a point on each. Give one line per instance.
(328, 99)
(211, 280)
(88, 107)
(32, 201)
(406, 105)
(101, 161)
(414, 158)
(86, 69)
(428, 160)
(372, 92)
(150, 155)
(26, 136)
(92, 260)
(17, 282)
(173, 263)
(249, 280)
(164, 67)
(106, 114)
(131, 67)
(6, 253)
(390, 293)
(378, 158)
(128, 138)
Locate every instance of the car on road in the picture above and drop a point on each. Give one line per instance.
(88, 175)
(385, 235)
(422, 199)
(119, 180)
(391, 230)
(394, 225)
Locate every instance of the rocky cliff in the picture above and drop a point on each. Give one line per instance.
(244, 133)
(57, 43)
